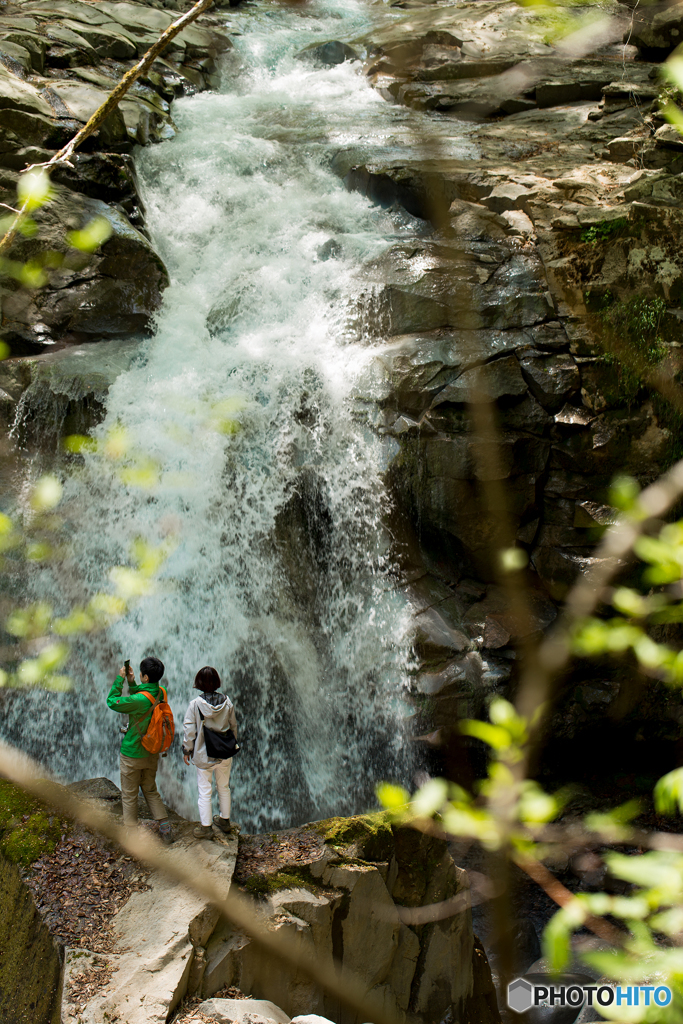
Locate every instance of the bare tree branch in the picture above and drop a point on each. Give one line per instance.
(561, 895)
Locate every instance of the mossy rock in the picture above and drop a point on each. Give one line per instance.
(264, 885)
(371, 833)
(27, 829)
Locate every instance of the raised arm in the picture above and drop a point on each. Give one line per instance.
(125, 705)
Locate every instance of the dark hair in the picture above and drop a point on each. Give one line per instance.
(207, 679)
(153, 668)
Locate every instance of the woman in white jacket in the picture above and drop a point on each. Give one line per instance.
(219, 713)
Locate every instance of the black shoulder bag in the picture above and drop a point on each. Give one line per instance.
(220, 745)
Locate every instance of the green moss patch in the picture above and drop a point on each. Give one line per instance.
(264, 885)
(372, 832)
(603, 231)
(27, 829)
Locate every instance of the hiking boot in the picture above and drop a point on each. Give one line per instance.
(222, 823)
(166, 834)
(203, 832)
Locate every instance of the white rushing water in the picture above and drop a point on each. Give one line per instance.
(279, 573)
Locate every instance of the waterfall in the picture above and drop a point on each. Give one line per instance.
(238, 411)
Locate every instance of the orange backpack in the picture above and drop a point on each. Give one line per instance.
(161, 728)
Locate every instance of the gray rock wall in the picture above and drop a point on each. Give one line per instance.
(58, 62)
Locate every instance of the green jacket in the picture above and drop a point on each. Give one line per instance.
(138, 708)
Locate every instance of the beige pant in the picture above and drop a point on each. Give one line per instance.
(140, 773)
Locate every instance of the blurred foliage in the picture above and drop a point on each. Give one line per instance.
(515, 817)
(41, 635)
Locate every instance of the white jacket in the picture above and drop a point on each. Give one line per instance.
(219, 712)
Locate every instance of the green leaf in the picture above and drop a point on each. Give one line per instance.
(536, 806)
(77, 443)
(32, 275)
(494, 735)
(392, 797)
(668, 792)
(92, 236)
(130, 583)
(624, 493)
(556, 939)
(629, 602)
(651, 870)
(46, 494)
(430, 798)
(513, 559)
(673, 70)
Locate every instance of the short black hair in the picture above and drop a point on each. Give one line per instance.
(207, 679)
(152, 668)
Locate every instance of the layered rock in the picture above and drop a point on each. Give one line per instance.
(550, 221)
(349, 889)
(385, 903)
(58, 62)
(28, 984)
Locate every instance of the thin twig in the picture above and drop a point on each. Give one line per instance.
(561, 895)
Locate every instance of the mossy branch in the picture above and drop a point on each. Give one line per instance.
(63, 156)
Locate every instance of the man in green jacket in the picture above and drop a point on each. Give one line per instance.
(138, 766)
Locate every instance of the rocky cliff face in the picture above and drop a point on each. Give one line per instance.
(58, 62)
(360, 892)
(544, 277)
(388, 904)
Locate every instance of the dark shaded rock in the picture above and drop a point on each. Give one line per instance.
(328, 54)
(485, 383)
(30, 959)
(114, 291)
(658, 31)
(551, 378)
(500, 624)
(482, 1005)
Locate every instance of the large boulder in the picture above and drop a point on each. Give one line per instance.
(346, 887)
(111, 292)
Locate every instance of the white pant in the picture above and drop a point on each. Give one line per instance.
(204, 777)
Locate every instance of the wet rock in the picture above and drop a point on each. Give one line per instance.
(485, 383)
(500, 624)
(38, 115)
(428, 286)
(114, 291)
(329, 54)
(551, 378)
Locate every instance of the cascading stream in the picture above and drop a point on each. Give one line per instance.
(236, 420)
